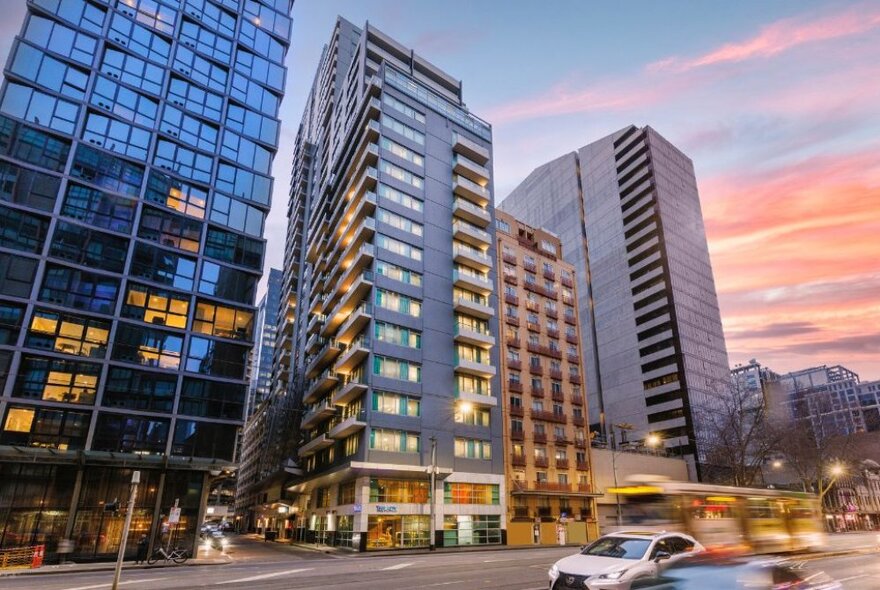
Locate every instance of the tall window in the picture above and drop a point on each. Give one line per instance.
(397, 369)
(399, 335)
(473, 449)
(397, 441)
(399, 303)
(398, 273)
(394, 403)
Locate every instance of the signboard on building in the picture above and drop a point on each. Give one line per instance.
(174, 515)
(386, 509)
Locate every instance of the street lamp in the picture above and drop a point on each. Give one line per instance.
(653, 441)
(837, 470)
(624, 428)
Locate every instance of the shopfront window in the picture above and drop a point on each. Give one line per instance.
(471, 493)
(399, 491)
(471, 530)
(34, 504)
(392, 532)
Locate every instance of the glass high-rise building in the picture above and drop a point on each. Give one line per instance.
(264, 342)
(136, 143)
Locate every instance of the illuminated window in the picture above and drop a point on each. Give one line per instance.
(225, 322)
(170, 230)
(19, 420)
(471, 493)
(146, 346)
(473, 449)
(394, 403)
(398, 441)
(173, 194)
(57, 380)
(155, 306)
(45, 427)
(69, 334)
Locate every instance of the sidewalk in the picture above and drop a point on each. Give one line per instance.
(109, 566)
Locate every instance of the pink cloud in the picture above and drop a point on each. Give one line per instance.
(779, 37)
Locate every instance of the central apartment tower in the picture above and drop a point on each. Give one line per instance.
(390, 270)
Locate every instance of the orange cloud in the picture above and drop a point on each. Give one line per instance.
(779, 37)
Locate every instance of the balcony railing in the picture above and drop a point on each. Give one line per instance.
(557, 375)
(511, 299)
(515, 386)
(518, 411)
(582, 466)
(508, 258)
(557, 396)
(573, 358)
(542, 462)
(578, 420)
(577, 400)
(558, 417)
(539, 437)
(514, 364)
(517, 460)
(538, 392)
(513, 342)
(561, 463)
(517, 435)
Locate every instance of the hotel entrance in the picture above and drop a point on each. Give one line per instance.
(398, 532)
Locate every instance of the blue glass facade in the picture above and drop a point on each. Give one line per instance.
(136, 142)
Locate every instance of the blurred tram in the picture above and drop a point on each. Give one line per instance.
(723, 517)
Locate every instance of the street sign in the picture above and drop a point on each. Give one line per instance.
(174, 516)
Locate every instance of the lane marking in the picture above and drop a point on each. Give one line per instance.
(399, 566)
(497, 560)
(445, 583)
(266, 576)
(841, 580)
(93, 587)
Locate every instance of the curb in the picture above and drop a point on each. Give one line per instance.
(73, 569)
(841, 553)
(344, 553)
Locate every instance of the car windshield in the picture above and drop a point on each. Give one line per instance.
(619, 547)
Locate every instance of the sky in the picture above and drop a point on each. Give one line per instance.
(777, 104)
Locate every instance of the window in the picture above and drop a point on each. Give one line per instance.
(259, 69)
(252, 124)
(398, 273)
(474, 416)
(119, 433)
(16, 275)
(386, 192)
(400, 222)
(79, 289)
(397, 441)
(203, 439)
(205, 42)
(189, 129)
(135, 72)
(176, 195)
(243, 184)
(77, 12)
(11, 316)
(352, 444)
(151, 13)
(472, 385)
(471, 530)
(116, 136)
(245, 152)
(40, 108)
(155, 306)
(212, 399)
(32, 146)
(398, 247)
(106, 171)
(212, 16)
(73, 382)
(404, 130)
(195, 99)
(170, 230)
(230, 247)
(260, 41)
(99, 209)
(399, 303)
(255, 96)
(24, 231)
(400, 174)
(125, 103)
(43, 427)
(395, 403)
(397, 369)
(403, 108)
(138, 390)
(398, 491)
(224, 322)
(237, 215)
(60, 40)
(469, 448)
(221, 359)
(472, 354)
(186, 162)
(89, 247)
(46, 71)
(147, 346)
(471, 493)
(140, 40)
(227, 283)
(402, 152)
(68, 334)
(502, 225)
(346, 493)
(163, 267)
(399, 335)
(201, 70)
(27, 187)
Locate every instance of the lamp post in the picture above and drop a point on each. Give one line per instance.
(135, 480)
(624, 428)
(433, 484)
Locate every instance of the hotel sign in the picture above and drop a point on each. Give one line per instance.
(384, 509)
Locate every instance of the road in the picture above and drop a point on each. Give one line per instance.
(270, 566)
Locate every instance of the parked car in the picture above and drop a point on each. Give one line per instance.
(739, 574)
(615, 561)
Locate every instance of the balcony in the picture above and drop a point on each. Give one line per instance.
(580, 443)
(477, 399)
(472, 282)
(582, 466)
(322, 383)
(557, 375)
(578, 420)
(549, 486)
(552, 333)
(471, 257)
(353, 294)
(318, 414)
(561, 463)
(536, 369)
(517, 434)
(574, 378)
(470, 307)
(515, 386)
(549, 416)
(348, 426)
(355, 323)
(517, 460)
(533, 326)
(566, 281)
(514, 364)
(469, 335)
(573, 358)
(571, 338)
(469, 169)
(511, 319)
(561, 440)
(514, 342)
(577, 400)
(518, 411)
(471, 234)
(471, 149)
(315, 323)
(471, 213)
(327, 353)
(511, 299)
(537, 392)
(353, 355)
(552, 314)
(542, 462)
(539, 437)
(321, 441)
(557, 396)
(471, 191)
(473, 367)
(349, 392)
(510, 278)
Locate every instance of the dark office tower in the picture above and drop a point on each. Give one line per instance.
(136, 140)
(391, 273)
(265, 333)
(627, 210)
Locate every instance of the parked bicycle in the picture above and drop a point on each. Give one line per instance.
(177, 555)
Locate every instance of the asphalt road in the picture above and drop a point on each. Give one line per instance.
(270, 566)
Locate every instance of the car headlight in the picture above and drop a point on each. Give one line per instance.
(613, 575)
(554, 571)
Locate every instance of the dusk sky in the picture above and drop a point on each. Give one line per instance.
(778, 105)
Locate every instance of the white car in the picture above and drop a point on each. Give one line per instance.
(615, 561)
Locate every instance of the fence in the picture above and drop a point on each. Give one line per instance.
(22, 557)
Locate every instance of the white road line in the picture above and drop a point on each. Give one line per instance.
(841, 580)
(266, 576)
(497, 560)
(399, 566)
(444, 583)
(120, 583)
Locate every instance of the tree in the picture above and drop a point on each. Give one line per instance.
(737, 439)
